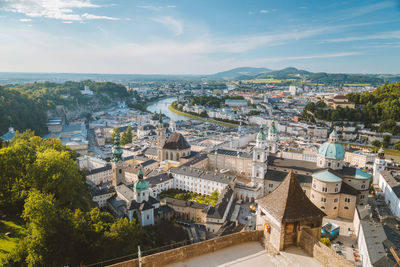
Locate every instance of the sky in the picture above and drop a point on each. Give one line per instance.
(199, 36)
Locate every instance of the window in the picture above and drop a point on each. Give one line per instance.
(148, 217)
(120, 170)
(335, 200)
(323, 199)
(338, 164)
(329, 164)
(270, 185)
(363, 186)
(335, 208)
(347, 200)
(258, 156)
(314, 185)
(322, 207)
(336, 189)
(324, 189)
(362, 197)
(346, 208)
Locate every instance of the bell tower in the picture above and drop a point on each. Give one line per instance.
(117, 162)
(260, 156)
(379, 165)
(160, 138)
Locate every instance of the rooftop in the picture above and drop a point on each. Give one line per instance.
(202, 174)
(290, 202)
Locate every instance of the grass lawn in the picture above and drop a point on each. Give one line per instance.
(190, 196)
(8, 243)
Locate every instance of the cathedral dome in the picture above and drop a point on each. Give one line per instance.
(141, 185)
(331, 149)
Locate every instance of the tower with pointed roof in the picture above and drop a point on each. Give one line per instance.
(285, 212)
(379, 165)
(260, 156)
(272, 139)
(141, 188)
(117, 162)
(160, 138)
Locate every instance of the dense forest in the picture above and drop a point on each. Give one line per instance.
(380, 106)
(25, 106)
(40, 184)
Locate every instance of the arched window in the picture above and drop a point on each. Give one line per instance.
(258, 156)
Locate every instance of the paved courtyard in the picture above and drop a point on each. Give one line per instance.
(250, 254)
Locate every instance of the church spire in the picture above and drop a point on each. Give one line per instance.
(117, 150)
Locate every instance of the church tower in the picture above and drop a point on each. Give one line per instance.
(141, 188)
(379, 165)
(117, 162)
(272, 138)
(260, 156)
(160, 139)
(172, 126)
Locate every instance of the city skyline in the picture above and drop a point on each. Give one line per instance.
(192, 37)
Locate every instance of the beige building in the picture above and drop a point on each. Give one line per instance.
(238, 162)
(187, 210)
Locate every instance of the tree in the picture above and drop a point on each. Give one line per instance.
(376, 143)
(386, 140)
(127, 136)
(115, 131)
(397, 146)
(49, 241)
(204, 114)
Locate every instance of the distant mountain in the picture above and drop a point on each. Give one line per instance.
(290, 71)
(239, 72)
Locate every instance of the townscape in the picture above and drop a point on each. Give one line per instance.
(177, 133)
(217, 177)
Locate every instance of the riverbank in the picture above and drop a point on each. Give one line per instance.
(220, 123)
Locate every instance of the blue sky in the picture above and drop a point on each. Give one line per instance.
(193, 37)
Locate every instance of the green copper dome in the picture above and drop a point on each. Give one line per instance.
(272, 129)
(141, 184)
(331, 149)
(261, 134)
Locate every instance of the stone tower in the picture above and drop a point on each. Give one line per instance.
(117, 162)
(260, 156)
(379, 165)
(160, 139)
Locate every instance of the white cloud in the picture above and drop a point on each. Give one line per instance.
(156, 8)
(378, 36)
(91, 16)
(264, 11)
(171, 24)
(25, 20)
(54, 9)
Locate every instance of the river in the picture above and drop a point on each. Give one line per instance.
(163, 105)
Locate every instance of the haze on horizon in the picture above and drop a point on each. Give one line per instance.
(198, 37)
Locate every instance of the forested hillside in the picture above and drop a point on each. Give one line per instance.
(25, 106)
(380, 106)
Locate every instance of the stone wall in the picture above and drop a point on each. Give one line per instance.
(325, 255)
(186, 252)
